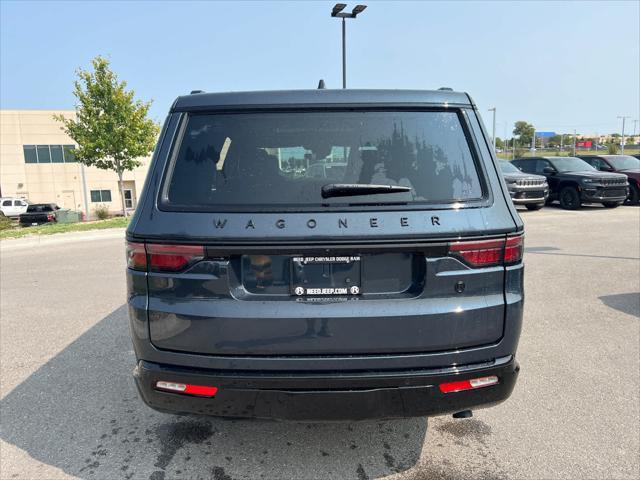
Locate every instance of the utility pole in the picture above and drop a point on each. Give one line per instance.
(623, 117)
(533, 142)
(494, 128)
(337, 12)
(574, 142)
(85, 197)
(561, 141)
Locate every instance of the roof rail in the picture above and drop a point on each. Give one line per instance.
(446, 89)
(196, 91)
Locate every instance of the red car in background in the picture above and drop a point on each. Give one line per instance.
(627, 164)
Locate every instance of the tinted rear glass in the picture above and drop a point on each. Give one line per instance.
(275, 160)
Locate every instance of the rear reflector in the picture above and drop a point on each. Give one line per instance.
(468, 384)
(488, 253)
(188, 389)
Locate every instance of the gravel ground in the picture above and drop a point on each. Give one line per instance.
(69, 408)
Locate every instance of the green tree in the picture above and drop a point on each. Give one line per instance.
(554, 141)
(524, 131)
(612, 148)
(499, 143)
(111, 128)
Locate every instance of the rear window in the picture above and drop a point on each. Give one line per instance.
(39, 208)
(270, 161)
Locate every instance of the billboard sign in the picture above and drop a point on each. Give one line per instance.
(545, 134)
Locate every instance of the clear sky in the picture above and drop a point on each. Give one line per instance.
(559, 65)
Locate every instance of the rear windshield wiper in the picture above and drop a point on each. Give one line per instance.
(352, 189)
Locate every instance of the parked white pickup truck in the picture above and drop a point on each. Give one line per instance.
(13, 206)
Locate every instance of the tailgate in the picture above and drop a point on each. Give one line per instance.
(381, 300)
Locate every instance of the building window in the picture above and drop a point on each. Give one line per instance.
(98, 196)
(56, 153)
(30, 155)
(49, 153)
(44, 155)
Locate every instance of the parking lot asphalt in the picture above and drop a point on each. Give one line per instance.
(69, 408)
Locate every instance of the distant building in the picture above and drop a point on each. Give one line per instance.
(37, 163)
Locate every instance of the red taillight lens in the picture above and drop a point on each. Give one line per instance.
(171, 258)
(472, 384)
(513, 249)
(488, 253)
(483, 253)
(136, 256)
(51, 217)
(188, 389)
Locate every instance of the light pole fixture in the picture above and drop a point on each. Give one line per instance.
(624, 118)
(337, 12)
(493, 135)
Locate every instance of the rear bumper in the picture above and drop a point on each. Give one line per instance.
(326, 396)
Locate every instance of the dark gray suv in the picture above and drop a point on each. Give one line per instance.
(325, 255)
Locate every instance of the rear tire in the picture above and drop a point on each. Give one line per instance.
(569, 198)
(634, 194)
(610, 204)
(534, 206)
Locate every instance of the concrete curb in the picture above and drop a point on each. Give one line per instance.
(38, 241)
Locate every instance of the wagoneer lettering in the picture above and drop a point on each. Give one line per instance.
(325, 255)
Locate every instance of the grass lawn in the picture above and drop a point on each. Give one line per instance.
(51, 228)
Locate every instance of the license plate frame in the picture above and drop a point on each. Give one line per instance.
(321, 276)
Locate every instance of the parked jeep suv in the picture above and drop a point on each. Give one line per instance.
(525, 189)
(573, 181)
(262, 284)
(626, 164)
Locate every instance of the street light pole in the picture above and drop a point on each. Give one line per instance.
(344, 54)
(494, 127)
(623, 120)
(337, 12)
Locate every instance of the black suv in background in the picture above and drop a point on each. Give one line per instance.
(573, 181)
(325, 254)
(626, 164)
(525, 189)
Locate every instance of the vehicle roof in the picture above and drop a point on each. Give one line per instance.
(279, 98)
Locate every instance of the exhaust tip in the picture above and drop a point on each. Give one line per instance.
(463, 414)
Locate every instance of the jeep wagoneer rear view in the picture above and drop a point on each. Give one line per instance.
(324, 255)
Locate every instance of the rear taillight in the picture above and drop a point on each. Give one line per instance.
(488, 253)
(162, 258)
(51, 217)
(513, 249)
(136, 256)
(171, 258)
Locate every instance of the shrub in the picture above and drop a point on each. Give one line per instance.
(612, 148)
(102, 212)
(520, 152)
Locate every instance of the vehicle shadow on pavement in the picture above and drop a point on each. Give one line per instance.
(80, 412)
(628, 303)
